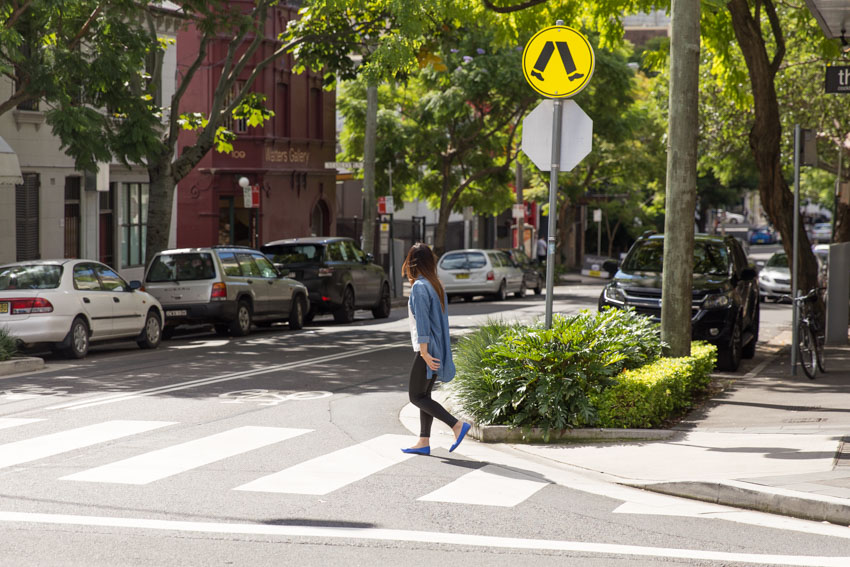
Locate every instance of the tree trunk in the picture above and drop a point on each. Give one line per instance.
(161, 191)
(677, 280)
(370, 141)
(766, 135)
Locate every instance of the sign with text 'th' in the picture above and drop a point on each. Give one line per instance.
(838, 80)
(558, 62)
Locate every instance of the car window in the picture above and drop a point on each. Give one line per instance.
(495, 260)
(779, 260)
(229, 264)
(30, 277)
(476, 260)
(294, 253)
(110, 280)
(336, 252)
(266, 268)
(506, 260)
(355, 254)
(646, 256)
(249, 267)
(187, 266)
(710, 258)
(454, 261)
(85, 278)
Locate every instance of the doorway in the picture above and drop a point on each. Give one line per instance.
(236, 225)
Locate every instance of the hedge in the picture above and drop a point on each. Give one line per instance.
(8, 344)
(651, 395)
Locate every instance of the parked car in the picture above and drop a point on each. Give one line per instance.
(472, 272)
(69, 304)
(230, 287)
(762, 235)
(532, 275)
(822, 254)
(725, 292)
(730, 217)
(775, 277)
(339, 276)
(821, 232)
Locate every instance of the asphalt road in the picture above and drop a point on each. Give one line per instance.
(283, 448)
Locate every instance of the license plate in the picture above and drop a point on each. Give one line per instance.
(4, 308)
(461, 276)
(176, 313)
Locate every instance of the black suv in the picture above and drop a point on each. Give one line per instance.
(339, 276)
(725, 292)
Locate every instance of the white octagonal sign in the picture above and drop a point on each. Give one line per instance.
(576, 135)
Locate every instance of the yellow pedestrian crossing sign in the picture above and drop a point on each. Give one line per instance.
(558, 62)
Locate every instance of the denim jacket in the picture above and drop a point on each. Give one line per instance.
(432, 326)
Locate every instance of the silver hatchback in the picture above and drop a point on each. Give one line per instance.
(472, 272)
(230, 287)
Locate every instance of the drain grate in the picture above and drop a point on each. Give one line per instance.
(804, 420)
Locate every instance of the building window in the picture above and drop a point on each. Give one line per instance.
(281, 118)
(106, 229)
(26, 212)
(316, 112)
(134, 224)
(237, 126)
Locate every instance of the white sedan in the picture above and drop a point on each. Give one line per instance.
(69, 304)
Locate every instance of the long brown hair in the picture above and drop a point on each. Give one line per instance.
(421, 261)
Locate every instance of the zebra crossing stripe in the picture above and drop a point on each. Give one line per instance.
(335, 470)
(488, 486)
(56, 443)
(176, 459)
(6, 422)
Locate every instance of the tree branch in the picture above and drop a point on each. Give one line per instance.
(776, 27)
(513, 8)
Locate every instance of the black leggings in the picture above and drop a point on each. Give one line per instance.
(420, 396)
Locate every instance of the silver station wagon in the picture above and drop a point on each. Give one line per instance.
(473, 272)
(230, 287)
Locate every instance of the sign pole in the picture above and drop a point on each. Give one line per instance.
(557, 112)
(796, 235)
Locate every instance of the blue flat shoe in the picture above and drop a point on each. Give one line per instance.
(463, 431)
(418, 450)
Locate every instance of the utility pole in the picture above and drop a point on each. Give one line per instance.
(677, 281)
(371, 136)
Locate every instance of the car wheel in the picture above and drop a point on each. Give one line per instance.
(749, 350)
(241, 326)
(382, 311)
(521, 293)
(296, 316)
(502, 293)
(729, 356)
(345, 312)
(77, 339)
(151, 334)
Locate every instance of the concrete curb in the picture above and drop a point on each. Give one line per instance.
(19, 365)
(507, 434)
(739, 494)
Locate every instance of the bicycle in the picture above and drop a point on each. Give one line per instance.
(810, 334)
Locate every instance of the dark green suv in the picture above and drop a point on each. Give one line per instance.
(725, 303)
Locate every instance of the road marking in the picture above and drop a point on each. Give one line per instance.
(64, 441)
(124, 396)
(488, 486)
(270, 397)
(6, 422)
(441, 538)
(201, 344)
(332, 471)
(163, 463)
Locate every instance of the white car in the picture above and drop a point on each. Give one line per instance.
(821, 232)
(69, 304)
(775, 278)
(732, 218)
(467, 273)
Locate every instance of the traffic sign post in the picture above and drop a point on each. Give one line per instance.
(557, 62)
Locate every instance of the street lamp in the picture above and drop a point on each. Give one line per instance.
(244, 182)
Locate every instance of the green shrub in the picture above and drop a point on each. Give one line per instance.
(528, 376)
(8, 344)
(649, 396)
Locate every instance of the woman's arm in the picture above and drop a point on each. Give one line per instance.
(430, 361)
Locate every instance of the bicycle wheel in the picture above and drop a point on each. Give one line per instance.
(819, 350)
(807, 349)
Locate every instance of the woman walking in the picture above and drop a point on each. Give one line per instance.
(429, 333)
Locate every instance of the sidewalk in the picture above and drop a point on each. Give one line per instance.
(770, 442)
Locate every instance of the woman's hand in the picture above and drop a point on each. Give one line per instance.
(430, 361)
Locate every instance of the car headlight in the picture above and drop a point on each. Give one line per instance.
(717, 301)
(614, 294)
(766, 277)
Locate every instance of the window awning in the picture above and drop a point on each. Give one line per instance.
(833, 16)
(10, 169)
